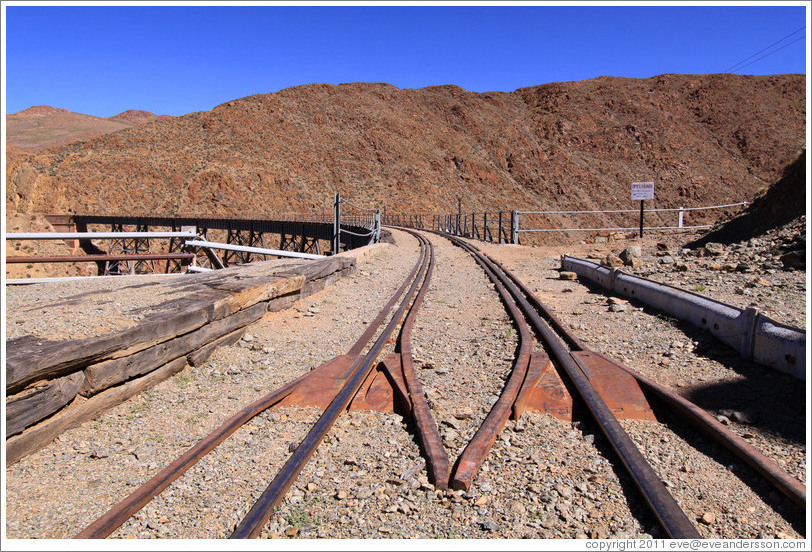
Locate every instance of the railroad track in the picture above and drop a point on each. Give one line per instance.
(571, 355)
(356, 367)
(537, 328)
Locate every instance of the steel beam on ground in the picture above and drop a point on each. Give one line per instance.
(259, 250)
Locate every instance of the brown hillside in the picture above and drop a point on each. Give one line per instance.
(781, 204)
(42, 126)
(704, 139)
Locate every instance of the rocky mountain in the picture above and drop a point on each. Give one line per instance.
(42, 126)
(703, 139)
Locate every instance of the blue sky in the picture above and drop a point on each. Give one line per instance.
(104, 59)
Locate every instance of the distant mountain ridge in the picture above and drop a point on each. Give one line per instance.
(704, 139)
(43, 126)
(40, 110)
(136, 117)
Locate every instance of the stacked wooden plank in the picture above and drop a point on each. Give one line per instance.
(52, 386)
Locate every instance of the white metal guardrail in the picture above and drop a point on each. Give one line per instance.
(749, 331)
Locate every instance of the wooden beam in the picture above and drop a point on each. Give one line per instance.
(30, 407)
(111, 372)
(82, 410)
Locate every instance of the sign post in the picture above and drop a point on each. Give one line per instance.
(642, 191)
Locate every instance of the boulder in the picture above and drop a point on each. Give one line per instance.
(714, 249)
(612, 260)
(632, 256)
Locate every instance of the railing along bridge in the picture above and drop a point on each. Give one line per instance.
(153, 244)
(506, 226)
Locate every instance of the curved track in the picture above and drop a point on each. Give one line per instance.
(561, 343)
(417, 282)
(536, 325)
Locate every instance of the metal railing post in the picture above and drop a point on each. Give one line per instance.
(514, 225)
(337, 224)
(376, 236)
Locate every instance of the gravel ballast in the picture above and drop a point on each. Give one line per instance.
(544, 478)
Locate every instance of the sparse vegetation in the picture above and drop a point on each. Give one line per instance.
(183, 379)
(297, 516)
(192, 420)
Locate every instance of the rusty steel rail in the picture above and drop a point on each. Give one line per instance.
(259, 514)
(129, 506)
(774, 474)
(671, 517)
(689, 412)
(437, 461)
(480, 445)
(124, 510)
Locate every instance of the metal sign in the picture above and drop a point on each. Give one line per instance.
(642, 190)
